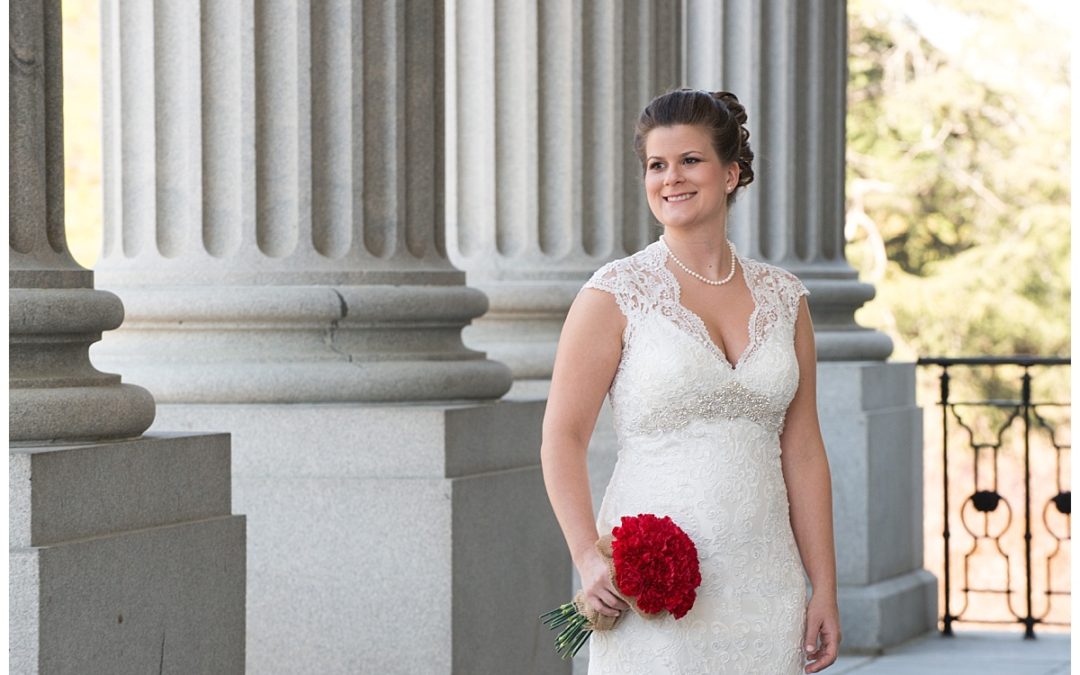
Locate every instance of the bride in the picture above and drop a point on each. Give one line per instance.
(708, 359)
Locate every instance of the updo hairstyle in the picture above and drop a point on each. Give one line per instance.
(719, 112)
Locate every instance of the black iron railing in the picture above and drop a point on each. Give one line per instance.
(987, 509)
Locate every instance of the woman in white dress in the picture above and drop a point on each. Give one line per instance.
(708, 359)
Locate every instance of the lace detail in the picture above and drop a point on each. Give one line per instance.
(699, 441)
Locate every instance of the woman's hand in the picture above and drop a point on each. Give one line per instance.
(597, 586)
(822, 620)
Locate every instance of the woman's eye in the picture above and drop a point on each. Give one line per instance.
(692, 160)
(654, 166)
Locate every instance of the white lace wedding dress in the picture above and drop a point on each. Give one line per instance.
(699, 441)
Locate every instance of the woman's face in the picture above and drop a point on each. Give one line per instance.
(686, 183)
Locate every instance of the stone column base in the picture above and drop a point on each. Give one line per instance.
(393, 539)
(125, 558)
(873, 435)
(888, 612)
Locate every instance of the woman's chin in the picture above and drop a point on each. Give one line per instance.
(677, 221)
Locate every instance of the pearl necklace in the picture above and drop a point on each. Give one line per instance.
(694, 274)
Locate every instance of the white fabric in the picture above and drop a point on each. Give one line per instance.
(699, 441)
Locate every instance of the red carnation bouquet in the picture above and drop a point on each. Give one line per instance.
(654, 567)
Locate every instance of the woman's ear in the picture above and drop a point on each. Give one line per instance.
(732, 176)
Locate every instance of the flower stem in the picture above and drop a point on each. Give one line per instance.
(576, 629)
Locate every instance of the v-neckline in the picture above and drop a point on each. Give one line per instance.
(700, 324)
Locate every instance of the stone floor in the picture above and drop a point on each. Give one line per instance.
(969, 652)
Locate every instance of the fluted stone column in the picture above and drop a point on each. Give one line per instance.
(273, 187)
(56, 394)
(544, 186)
(119, 542)
(274, 218)
(787, 61)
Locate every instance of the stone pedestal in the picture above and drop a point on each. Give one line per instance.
(393, 539)
(873, 435)
(125, 557)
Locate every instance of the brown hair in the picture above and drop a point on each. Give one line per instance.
(719, 112)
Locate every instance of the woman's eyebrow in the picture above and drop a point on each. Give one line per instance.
(682, 155)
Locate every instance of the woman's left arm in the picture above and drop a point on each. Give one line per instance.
(809, 489)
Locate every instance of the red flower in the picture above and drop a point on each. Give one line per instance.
(655, 562)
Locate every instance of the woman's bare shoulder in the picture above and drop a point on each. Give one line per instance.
(597, 309)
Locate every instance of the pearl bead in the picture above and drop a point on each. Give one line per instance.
(694, 274)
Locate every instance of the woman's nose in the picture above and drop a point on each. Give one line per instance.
(672, 176)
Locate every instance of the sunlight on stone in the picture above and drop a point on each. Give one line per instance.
(82, 129)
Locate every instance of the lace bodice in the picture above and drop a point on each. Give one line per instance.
(657, 389)
(699, 441)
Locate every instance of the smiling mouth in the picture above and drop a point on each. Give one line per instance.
(679, 197)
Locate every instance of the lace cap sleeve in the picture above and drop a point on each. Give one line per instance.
(605, 279)
(796, 289)
(784, 289)
(613, 279)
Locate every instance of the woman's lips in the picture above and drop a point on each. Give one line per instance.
(681, 197)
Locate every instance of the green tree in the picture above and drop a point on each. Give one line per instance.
(958, 176)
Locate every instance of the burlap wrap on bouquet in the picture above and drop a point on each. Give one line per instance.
(597, 620)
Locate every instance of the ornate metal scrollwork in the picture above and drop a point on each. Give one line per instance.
(1003, 435)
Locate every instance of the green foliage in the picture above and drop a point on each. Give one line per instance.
(958, 174)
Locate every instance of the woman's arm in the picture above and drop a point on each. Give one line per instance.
(809, 489)
(585, 363)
